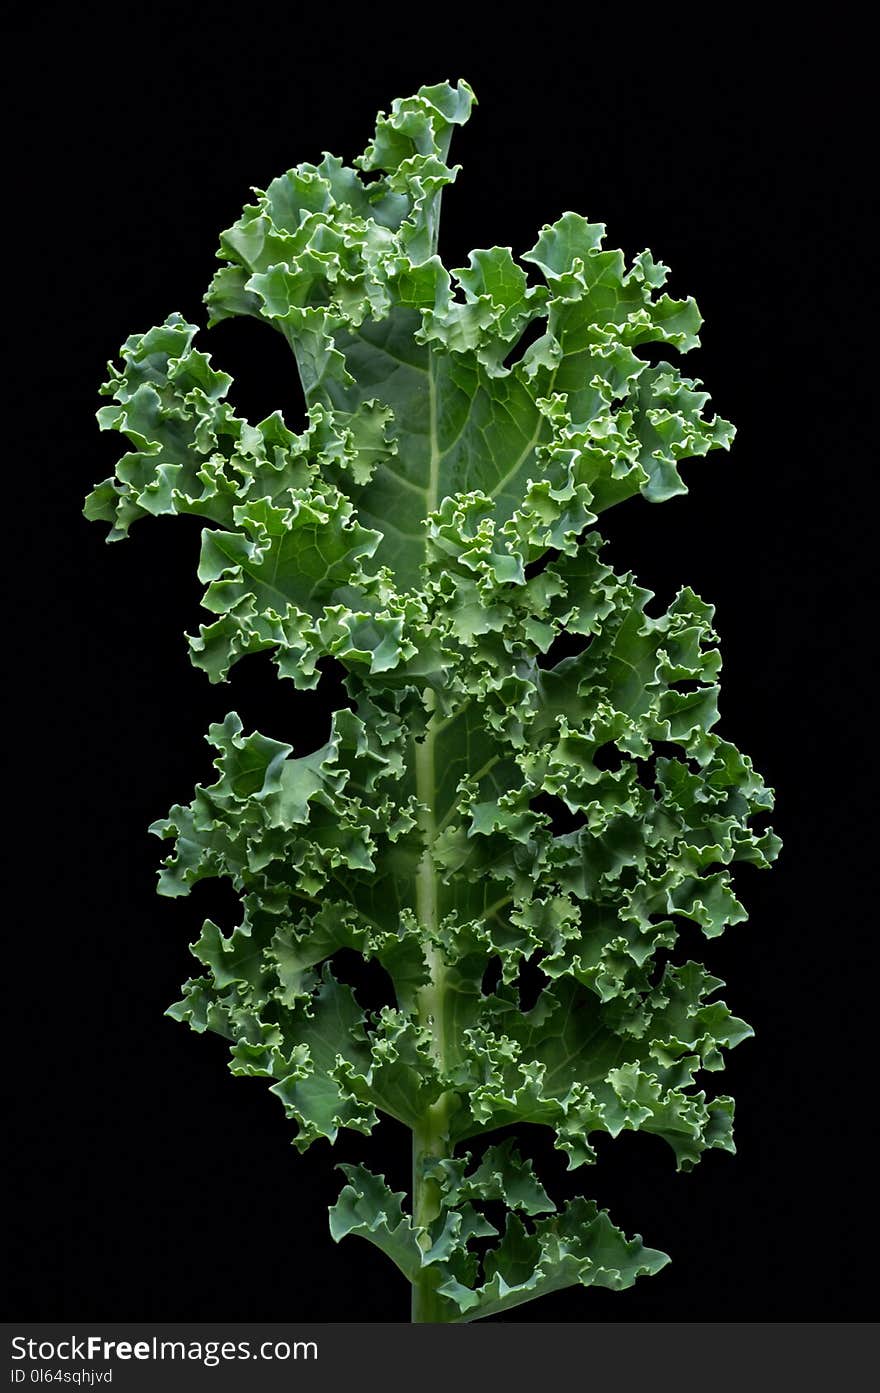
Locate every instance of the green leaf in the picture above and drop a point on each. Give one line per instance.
(368, 1208)
(512, 838)
(579, 1247)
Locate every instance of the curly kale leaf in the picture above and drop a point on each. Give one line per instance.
(482, 803)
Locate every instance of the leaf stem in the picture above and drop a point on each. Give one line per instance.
(431, 1134)
(430, 1139)
(431, 997)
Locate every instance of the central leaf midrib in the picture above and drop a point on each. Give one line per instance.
(426, 791)
(432, 491)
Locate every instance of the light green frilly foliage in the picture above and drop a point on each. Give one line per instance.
(397, 534)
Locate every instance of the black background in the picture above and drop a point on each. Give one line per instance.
(146, 1182)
